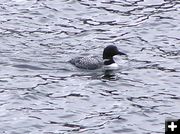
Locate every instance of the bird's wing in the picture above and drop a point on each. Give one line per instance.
(89, 62)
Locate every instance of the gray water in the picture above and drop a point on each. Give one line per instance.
(41, 93)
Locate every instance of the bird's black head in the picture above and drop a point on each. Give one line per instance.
(111, 51)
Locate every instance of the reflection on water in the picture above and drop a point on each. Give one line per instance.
(41, 93)
(109, 75)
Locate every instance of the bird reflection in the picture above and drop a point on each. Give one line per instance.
(109, 75)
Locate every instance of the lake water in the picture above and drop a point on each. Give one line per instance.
(41, 93)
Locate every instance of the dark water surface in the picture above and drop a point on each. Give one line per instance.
(40, 93)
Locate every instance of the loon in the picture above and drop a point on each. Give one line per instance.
(95, 62)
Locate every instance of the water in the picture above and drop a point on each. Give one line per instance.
(41, 93)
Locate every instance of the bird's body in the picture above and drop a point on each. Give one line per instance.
(95, 62)
(88, 62)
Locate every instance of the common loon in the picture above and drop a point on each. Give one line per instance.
(95, 62)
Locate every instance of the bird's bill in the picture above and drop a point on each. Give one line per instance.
(121, 53)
